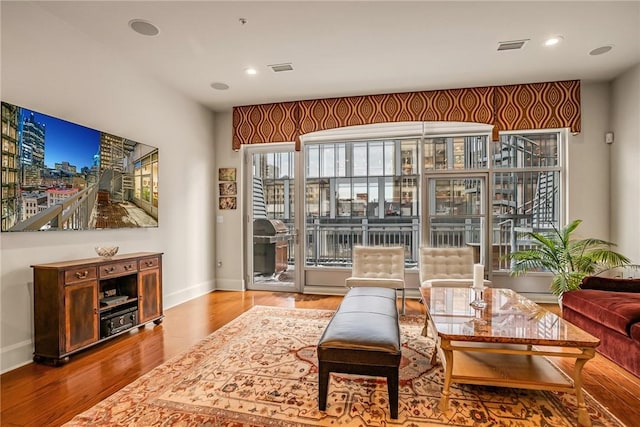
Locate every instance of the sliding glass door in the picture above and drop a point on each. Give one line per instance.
(271, 229)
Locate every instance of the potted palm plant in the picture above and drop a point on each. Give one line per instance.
(569, 259)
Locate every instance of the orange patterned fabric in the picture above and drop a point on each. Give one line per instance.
(538, 106)
(460, 105)
(514, 107)
(257, 124)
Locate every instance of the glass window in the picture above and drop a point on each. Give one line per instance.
(370, 196)
(409, 155)
(359, 159)
(455, 153)
(391, 197)
(377, 162)
(137, 173)
(341, 159)
(146, 180)
(312, 159)
(154, 178)
(389, 158)
(273, 183)
(359, 189)
(409, 203)
(360, 197)
(526, 190)
(328, 160)
(373, 198)
(528, 150)
(344, 197)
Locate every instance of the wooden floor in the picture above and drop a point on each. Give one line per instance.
(38, 395)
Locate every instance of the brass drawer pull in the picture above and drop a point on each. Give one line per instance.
(109, 270)
(128, 267)
(82, 275)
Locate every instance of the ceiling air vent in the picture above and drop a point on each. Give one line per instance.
(278, 68)
(512, 45)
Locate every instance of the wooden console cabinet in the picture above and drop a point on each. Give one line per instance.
(83, 302)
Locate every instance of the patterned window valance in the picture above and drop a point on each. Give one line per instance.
(513, 107)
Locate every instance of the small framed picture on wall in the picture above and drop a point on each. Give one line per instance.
(227, 174)
(227, 202)
(228, 188)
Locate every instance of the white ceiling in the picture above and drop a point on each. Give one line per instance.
(344, 48)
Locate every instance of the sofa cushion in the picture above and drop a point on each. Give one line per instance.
(615, 310)
(616, 284)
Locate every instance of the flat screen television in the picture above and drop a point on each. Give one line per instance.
(58, 175)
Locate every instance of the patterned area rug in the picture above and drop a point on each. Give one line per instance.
(261, 370)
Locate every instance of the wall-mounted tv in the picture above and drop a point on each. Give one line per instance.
(58, 175)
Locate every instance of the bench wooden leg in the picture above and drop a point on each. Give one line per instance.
(323, 385)
(392, 389)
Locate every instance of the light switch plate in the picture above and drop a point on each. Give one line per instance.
(608, 137)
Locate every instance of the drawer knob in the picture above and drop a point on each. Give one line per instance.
(109, 270)
(128, 267)
(82, 275)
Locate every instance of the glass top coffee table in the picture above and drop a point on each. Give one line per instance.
(501, 344)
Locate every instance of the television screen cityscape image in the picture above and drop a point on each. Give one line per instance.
(58, 175)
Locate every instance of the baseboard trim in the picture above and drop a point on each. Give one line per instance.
(229, 285)
(16, 355)
(184, 295)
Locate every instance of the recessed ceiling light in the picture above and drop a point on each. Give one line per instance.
(600, 50)
(552, 41)
(251, 71)
(143, 27)
(219, 86)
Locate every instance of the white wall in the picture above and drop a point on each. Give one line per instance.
(625, 163)
(76, 79)
(229, 232)
(588, 165)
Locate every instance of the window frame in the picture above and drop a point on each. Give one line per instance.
(425, 130)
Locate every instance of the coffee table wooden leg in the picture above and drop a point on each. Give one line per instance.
(434, 357)
(583, 415)
(425, 329)
(448, 372)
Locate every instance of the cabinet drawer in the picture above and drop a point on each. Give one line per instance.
(118, 269)
(81, 274)
(147, 263)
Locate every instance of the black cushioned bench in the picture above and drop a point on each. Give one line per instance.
(363, 338)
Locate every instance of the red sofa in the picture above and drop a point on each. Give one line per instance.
(609, 309)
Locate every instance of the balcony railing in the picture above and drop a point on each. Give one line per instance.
(330, 244)
(72, 213)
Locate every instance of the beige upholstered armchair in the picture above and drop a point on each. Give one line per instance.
(447, 267)
(378, 266)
